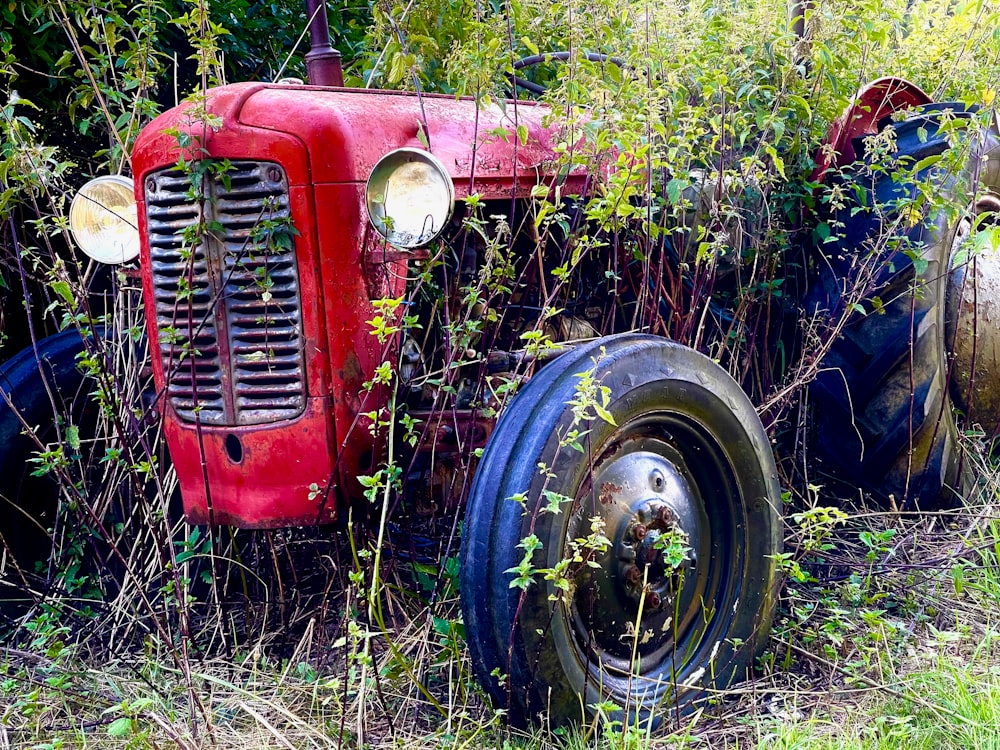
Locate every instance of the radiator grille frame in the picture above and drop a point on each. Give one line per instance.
(226, 292)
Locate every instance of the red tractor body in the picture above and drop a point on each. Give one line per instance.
(289, 320)
(263, 356)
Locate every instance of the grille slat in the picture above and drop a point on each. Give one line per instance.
(248, 341)
(238, 328)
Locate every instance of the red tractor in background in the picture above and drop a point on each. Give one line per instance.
(344, 287)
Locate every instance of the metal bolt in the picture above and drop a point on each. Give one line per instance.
(633, 574)
(654, 599)
(150, 185)
(656, 480)
(667, 515)
(639, 532)
(274, 174)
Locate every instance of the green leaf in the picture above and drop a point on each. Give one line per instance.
(73, 437)
(958, 578)
(605, 415)
(140, 704)
(801, 105)
(63, 289)
(779, 164)
(926, 162)
(675, 189)
(554, 502)
(397, 68)
(520, 498)
(779, 130)
(120, 727)
(530, 543)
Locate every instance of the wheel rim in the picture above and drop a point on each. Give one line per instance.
(972, 336)
(666, 495)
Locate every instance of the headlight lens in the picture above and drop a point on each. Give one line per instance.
(103, 219)
(410, 197)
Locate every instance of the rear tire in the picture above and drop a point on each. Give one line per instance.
(883, 415)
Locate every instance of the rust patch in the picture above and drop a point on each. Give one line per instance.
(608, 492)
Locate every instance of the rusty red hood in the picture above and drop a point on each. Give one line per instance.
(345, 132)
(326, 142)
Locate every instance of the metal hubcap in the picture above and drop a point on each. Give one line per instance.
(646, 588)
(972, 308)
(654, 544)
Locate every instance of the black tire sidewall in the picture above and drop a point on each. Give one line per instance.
(880, 424)
(644, 374)
(27, 380)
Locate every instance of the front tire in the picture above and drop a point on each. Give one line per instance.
(654, 578)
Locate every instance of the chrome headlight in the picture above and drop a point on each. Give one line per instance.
(103, 219)
(410, 197)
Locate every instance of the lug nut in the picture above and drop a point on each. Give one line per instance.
(633, 574)
(654, 599)
(667, 515)
(639, 532)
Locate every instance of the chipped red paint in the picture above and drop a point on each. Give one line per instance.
(873, 102)
(327, 141)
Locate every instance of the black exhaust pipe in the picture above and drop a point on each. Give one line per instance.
(322, 61)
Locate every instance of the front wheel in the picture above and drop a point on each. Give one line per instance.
(620, 541)
(40, 386)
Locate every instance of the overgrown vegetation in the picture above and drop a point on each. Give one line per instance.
(141, 631)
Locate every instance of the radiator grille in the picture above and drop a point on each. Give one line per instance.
(226, 290)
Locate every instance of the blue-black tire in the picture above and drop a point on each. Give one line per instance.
(38, 386)
(883, 418)
(527, 646)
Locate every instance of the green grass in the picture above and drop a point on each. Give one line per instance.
(949, 705)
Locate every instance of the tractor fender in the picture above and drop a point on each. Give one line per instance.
(873, 102)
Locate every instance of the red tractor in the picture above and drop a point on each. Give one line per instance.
(344, 287)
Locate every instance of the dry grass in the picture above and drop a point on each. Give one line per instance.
(900, 646)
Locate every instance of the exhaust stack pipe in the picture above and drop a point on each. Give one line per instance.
(322, 61)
